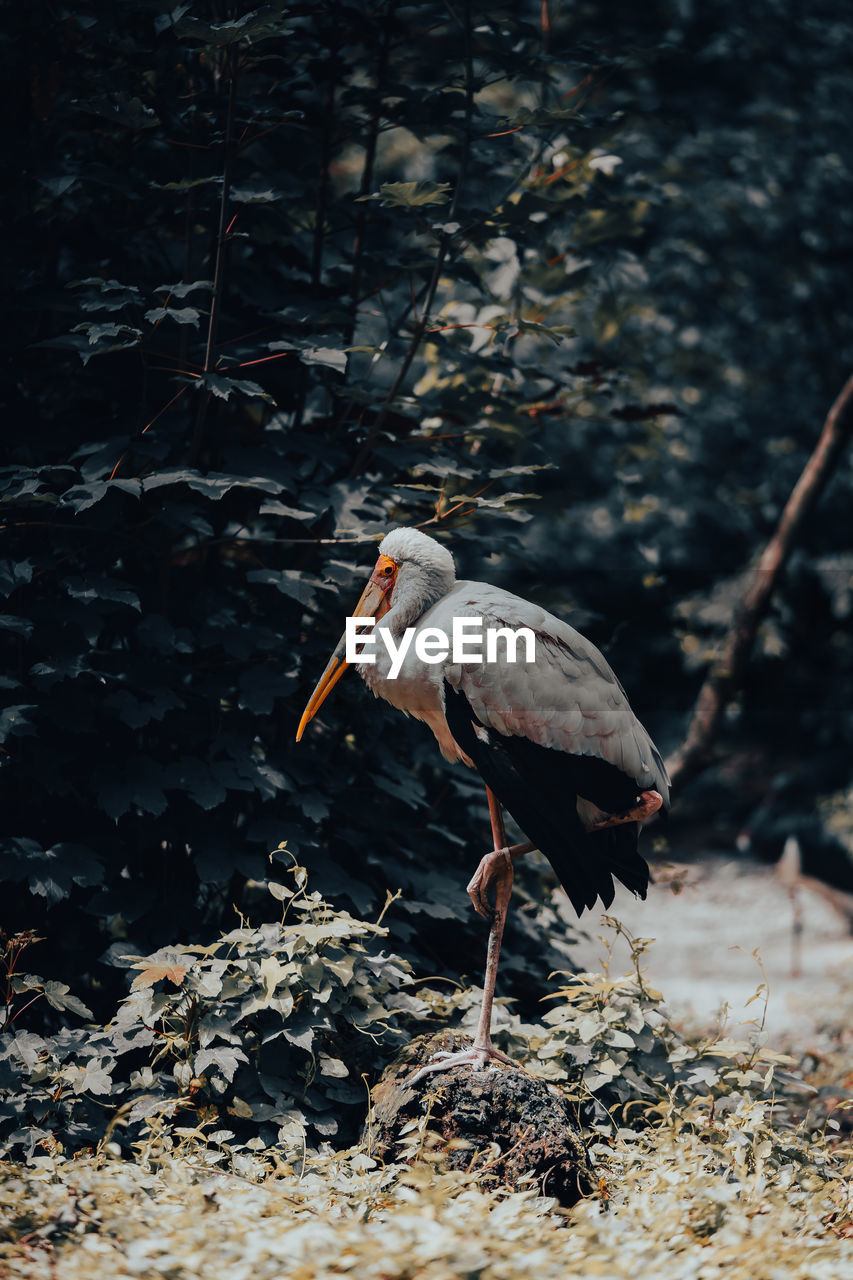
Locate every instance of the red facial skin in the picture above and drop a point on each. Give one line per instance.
(384, 576)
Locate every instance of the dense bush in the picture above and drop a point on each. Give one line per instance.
(274, 1032)
(267, 1029)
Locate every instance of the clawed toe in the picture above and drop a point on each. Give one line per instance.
(495, 870)
(648, 803)
(480, 902)
(477, 1057)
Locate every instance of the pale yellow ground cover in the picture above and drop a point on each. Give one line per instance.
(694, 1198)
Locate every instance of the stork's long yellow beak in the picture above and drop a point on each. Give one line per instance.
(330, 677)
(375, 601)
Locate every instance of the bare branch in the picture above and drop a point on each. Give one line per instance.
(443, 248)
(726, 674)
(367, 173)
(220, 258)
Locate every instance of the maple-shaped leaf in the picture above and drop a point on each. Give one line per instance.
(151, 973)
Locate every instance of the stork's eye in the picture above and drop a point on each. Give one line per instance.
(388, 570)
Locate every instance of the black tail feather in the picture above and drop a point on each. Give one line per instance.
(539, 786)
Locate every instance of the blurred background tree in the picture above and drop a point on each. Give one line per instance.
(562, 282)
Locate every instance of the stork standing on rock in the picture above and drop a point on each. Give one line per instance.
(554, 739)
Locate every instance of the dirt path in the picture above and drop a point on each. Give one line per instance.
(706, 933)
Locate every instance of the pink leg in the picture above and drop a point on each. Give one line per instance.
(494, 872)
(502, 878)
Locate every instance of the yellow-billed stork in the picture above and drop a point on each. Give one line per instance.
(554, 740)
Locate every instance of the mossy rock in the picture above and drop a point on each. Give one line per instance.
(500, 1122)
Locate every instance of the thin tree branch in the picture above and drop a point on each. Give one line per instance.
(219, 266)
(367, 174)
(333, 20)
(726, 675)
(440, 257)
(323, 187)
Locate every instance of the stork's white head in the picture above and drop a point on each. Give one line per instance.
(412, 573)
(422, 570)
(411, 544)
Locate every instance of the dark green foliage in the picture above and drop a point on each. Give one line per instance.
(286, 276)
(273, 1032)
(165, 585)
(266, 1030)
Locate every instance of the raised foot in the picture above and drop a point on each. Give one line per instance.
(493, 874)
(649, 803)
(476, 1057)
